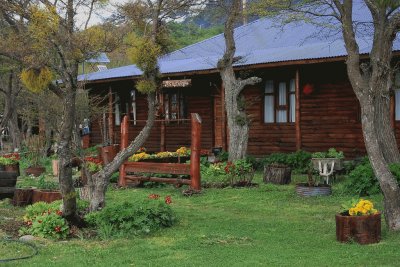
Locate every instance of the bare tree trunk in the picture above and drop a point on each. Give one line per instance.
(385, 132)
(238, 122)
(98, 182)
(388, 184)
(65, 155)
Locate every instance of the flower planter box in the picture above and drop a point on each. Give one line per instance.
(277, 174)
(167, 160)
(22, 197)
(338, 163)
(45, 195)
(7, 184)
(362, 229)
(304, 190)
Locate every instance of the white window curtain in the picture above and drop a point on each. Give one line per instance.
(269, 105)
(117, 111)
(281, 115)
(292, 104)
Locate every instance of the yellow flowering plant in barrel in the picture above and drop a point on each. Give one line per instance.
(361, 208)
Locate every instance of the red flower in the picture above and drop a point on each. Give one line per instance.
(229, 167)
(57, 229)
(154, 196)
(29, 223)
(168, 200)
(59, 212)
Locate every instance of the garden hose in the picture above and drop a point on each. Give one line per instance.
(28, 244)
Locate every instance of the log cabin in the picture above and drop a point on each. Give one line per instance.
(305, 100)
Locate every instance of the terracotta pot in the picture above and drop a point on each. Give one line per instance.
(362, 229)
(305, 190)
(35, 171)
(12, 168)
(45, 195)
(22, 196)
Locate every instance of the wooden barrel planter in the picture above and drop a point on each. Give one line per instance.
(305, 190)
(7, 184)
(277, 174)
(12, 168)
(362, 229)
(45, 195)
(22, 197)
(35, 170)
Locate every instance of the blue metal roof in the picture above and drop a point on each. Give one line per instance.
(261, 41)
(101, 58)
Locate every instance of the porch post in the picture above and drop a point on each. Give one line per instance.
(223, 120)
(110, 116)
(195, 183)
(124, 144)
(162, 126)
(298, 119)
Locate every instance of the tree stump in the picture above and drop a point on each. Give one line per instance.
(277, 174)
(22, 197)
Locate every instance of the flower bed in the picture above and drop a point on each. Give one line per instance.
(181, 155)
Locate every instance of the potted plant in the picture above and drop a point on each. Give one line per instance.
(329, 157)
(47, 191)
(10, 162)
(241, 173)
(313, 187)
(276, 169)
(360, 222)
(35, 146)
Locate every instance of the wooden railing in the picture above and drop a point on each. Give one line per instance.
(193, 169)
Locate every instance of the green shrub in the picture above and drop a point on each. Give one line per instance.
(331, 153)
(122, 219)
(257, 164)
(214, 173)
(299, 161)
(45, 220)
(362, 180)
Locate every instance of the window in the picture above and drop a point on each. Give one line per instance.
(174, 106)
(280, 101)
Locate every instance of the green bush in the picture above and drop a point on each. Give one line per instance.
(299, 161)
(122, 219)
(45, 220)
(331, 153)
(214, 173)
(362, 180)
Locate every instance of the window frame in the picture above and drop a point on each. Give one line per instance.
(277, 106)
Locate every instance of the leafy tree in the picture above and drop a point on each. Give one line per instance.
(371, 79)
(50, 45)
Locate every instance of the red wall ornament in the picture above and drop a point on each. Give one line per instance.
(308, 89)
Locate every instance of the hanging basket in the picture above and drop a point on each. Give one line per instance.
(362, 229)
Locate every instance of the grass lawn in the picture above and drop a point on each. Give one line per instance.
(264, 226)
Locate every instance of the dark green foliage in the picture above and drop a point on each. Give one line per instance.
(362, 180)
(127, 218)
(331, 153)
(256, 163)
(223, 156)
(186, 34)
(299, 161)
(114, 178)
